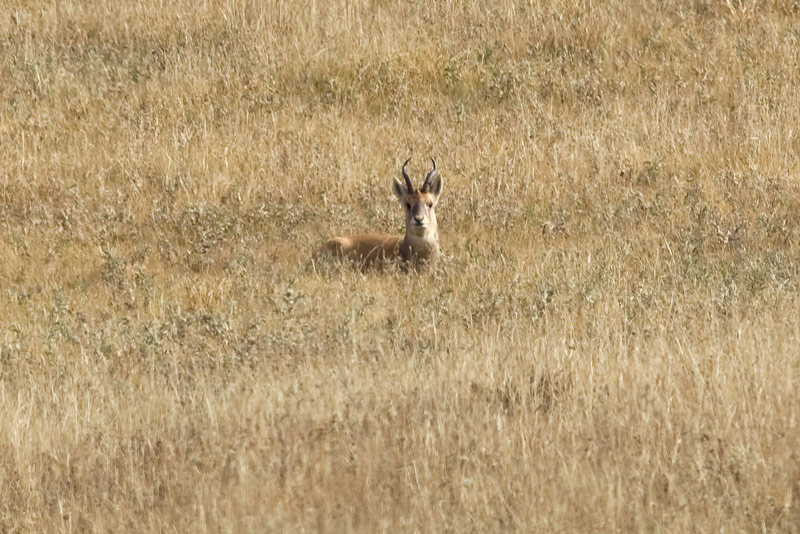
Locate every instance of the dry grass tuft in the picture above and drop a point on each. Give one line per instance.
(610, 342)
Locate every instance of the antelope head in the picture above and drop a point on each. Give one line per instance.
(419, 204)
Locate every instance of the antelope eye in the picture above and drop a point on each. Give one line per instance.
(408, 206)
(430, 204)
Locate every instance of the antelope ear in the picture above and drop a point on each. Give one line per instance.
(398, 189)
(435, 187)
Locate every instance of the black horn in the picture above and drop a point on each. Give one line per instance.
(406, 178)
(426, 185)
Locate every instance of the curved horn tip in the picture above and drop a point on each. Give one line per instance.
(426, 185)
(409, 186)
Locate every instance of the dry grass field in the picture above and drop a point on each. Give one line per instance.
(610, 342)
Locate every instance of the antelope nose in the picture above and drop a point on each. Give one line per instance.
(418, 219)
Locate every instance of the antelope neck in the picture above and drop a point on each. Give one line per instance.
(428, 240)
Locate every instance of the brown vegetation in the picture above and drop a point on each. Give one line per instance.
(608, 343)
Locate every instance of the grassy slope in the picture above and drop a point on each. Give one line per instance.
(611, 341)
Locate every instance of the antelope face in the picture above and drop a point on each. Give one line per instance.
(420, 215)
(419, 204)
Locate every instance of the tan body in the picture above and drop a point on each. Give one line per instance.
(418, 249)
(373, 250)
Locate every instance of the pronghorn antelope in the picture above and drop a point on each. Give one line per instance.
(417, 249)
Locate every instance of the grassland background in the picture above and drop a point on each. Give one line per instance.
(609, 343)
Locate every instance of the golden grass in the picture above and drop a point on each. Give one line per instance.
(610, 342)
